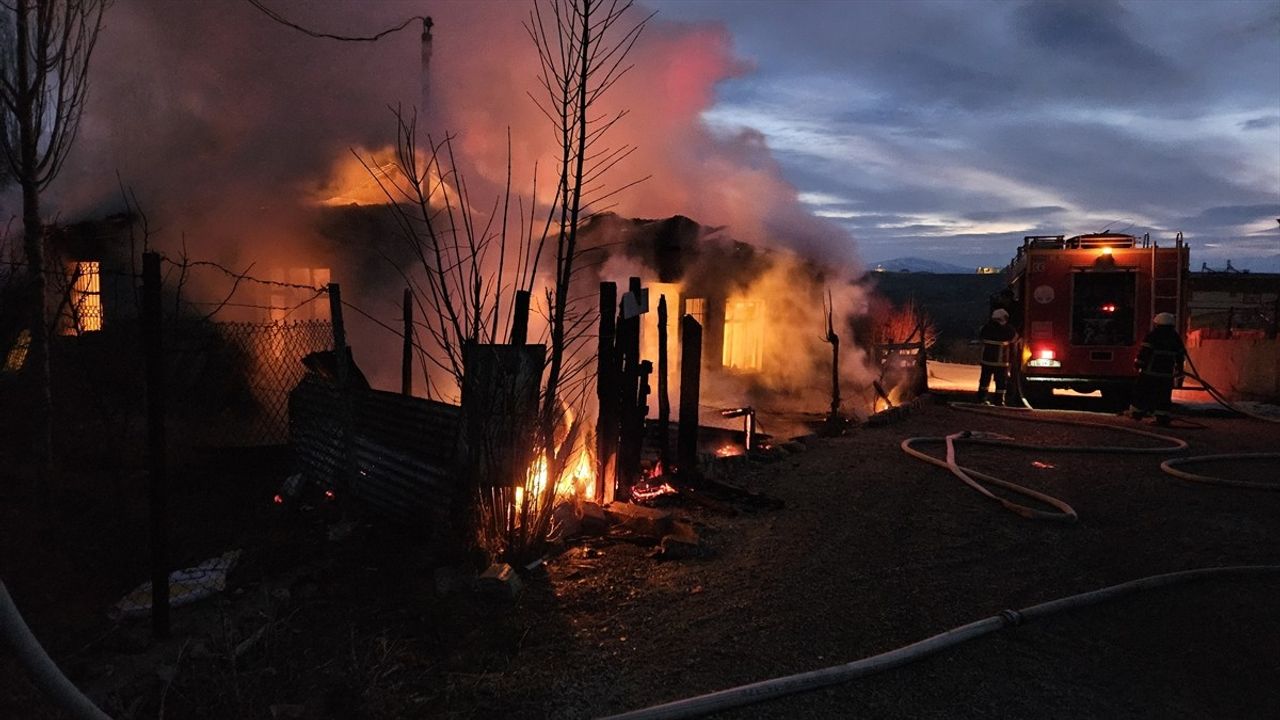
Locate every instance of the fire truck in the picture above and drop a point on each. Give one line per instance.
(1083, 305)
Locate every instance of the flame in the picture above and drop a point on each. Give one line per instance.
(895, 395)
(726, 450)
(577, 481)
(352, 183)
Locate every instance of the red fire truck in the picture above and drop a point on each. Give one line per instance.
(1083, 305)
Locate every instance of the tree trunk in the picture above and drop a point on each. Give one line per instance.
(33, 247)
(38, 354)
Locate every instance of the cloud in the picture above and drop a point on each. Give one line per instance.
(1027, 213)
(1235, 215)
(1261, 123)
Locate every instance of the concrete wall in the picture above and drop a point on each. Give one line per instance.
(1242, 368)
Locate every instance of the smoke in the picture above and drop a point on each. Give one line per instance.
(232, 128)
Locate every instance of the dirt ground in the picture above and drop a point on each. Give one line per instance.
(873, 550)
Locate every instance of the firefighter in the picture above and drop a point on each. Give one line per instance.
(998, 340)
(1158, 362)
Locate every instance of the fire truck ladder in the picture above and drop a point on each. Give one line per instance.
(1166, 280)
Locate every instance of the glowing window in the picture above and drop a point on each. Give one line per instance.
(697, 307)
(17, 356)
(743, 334)
(85, 306)
(292, 299)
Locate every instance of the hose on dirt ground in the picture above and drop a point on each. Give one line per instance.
(802, 682)
(1171, 466)
(975, 479)
(44, 673)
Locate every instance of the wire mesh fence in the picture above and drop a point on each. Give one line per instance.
(235, 377)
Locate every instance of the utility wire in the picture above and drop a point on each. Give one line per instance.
(329, 36)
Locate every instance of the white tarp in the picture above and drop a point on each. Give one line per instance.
(185, 587)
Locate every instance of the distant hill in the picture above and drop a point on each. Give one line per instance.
(915, 264)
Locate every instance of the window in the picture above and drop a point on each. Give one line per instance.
(84, 306)
(743, 334)
(1102, 308)
(293, 299)
(697, 307)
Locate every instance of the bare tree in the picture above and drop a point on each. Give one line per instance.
(904, 325)
(45, 49)
(467, 270)
(583, 53)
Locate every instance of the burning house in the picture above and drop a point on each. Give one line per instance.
(761, 310)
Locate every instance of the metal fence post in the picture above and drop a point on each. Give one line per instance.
(157, 490)
(341, 357)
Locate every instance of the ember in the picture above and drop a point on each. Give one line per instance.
(727, 450)
(651, 489)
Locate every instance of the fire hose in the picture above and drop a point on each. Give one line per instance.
(802, 682)
(975, 479)
(1216, 395)
(44, 673)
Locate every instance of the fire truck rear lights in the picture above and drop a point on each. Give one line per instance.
(1045, 358)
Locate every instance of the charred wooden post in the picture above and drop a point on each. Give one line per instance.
(157, 488)
(690, 381)
(664, 400)
(607, 394)
(629, 454)
(406, 359)
(520, 319)
(833, 416)
(632, 435)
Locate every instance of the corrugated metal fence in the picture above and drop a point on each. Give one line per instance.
(403, 448)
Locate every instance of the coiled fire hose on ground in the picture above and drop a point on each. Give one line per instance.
(975, 479)
(44, 673)
(1171, 466)
(801, 682)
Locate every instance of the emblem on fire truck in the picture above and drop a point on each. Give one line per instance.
(1043, 294)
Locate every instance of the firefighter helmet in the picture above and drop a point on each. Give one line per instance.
(1000, 315)
(1163, 319)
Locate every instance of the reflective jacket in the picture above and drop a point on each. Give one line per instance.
(997, 343)
(1162, 352)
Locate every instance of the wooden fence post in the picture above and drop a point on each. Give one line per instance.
(158, 491)
(664, 400)
(632, 435)
(520, 319)
(606, 393)
(690, 385)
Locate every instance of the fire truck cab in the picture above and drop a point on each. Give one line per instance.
(1083, 305)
